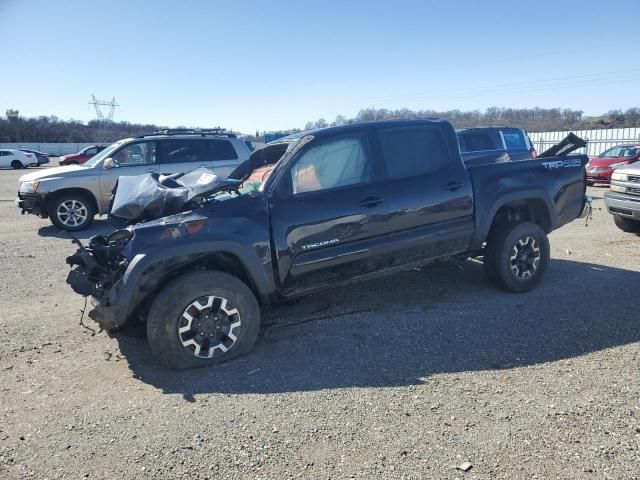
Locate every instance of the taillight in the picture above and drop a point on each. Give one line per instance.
(534, 153)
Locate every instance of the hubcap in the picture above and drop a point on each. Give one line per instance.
(208, 325)
(525, 258)
(72, 213)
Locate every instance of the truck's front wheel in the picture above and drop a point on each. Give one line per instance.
(516, 256)
(202, 318)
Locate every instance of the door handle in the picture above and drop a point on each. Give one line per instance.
(370, 202)
(452, 186)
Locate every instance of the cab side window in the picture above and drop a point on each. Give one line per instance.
(332, 163)
(409, 151)
(140, 153)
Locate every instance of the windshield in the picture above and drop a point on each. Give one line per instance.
(621, 152)
(106, 153)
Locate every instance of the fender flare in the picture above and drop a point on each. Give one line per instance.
(485, 220)
(138, 282)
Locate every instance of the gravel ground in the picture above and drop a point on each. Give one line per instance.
(411, 376)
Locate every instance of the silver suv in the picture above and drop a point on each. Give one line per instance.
(71, 196)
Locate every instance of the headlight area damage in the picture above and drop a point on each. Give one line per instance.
(97, 267)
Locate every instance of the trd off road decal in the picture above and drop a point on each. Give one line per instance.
(566, 163)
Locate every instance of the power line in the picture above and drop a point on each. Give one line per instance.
(551, 83)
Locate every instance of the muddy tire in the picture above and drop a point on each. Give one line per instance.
(71, 211)
(627, 224)
(202, 318)
(516, 256)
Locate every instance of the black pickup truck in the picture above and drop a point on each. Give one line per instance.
(314, 210)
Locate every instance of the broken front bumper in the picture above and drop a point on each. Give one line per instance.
(97, 272)
(31, 203)
(106, 310)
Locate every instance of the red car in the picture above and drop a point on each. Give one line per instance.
(600, 168)
(82, 156)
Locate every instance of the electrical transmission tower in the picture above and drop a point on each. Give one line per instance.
(103, 117)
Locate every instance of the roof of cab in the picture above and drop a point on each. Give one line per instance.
(327, 131)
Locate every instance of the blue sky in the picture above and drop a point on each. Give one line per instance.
(251, 65)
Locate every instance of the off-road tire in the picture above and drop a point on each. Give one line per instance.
(627, 224)
(503, 244)
(54, 204)
(17, 165)
(166, 315)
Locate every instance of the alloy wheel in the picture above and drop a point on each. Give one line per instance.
(208, 325)
(72, 213)
(525, 257)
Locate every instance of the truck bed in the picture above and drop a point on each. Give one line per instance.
(560, 181)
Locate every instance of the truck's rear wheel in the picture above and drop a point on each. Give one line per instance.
(627, 224)
(516, 256)
(202, 318)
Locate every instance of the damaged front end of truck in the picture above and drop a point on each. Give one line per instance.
(172, 223)
(96, 271)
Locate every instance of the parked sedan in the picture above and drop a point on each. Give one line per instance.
(600, 168)
(17, 159)
(40, 156)
(82, 156)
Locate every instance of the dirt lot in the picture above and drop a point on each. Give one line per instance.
(406, 377)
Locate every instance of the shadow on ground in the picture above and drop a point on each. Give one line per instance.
(402, 329)
(98, 227)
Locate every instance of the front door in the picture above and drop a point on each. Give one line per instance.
(327, 215)
(132, 159)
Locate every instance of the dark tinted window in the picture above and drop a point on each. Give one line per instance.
(180, 151)
(476, 141)
(221, 150)
(412, 150)
(514, 140)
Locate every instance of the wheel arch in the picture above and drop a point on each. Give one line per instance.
(146, 281)
(51, 197)
(533, 206)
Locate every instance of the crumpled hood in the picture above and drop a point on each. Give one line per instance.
(56, 171)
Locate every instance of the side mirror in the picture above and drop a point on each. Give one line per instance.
(108, 164)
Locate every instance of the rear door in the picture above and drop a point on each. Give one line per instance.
(136, 158)
(327, 216)
(428, 192)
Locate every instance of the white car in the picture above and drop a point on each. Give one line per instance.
(17, 159)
